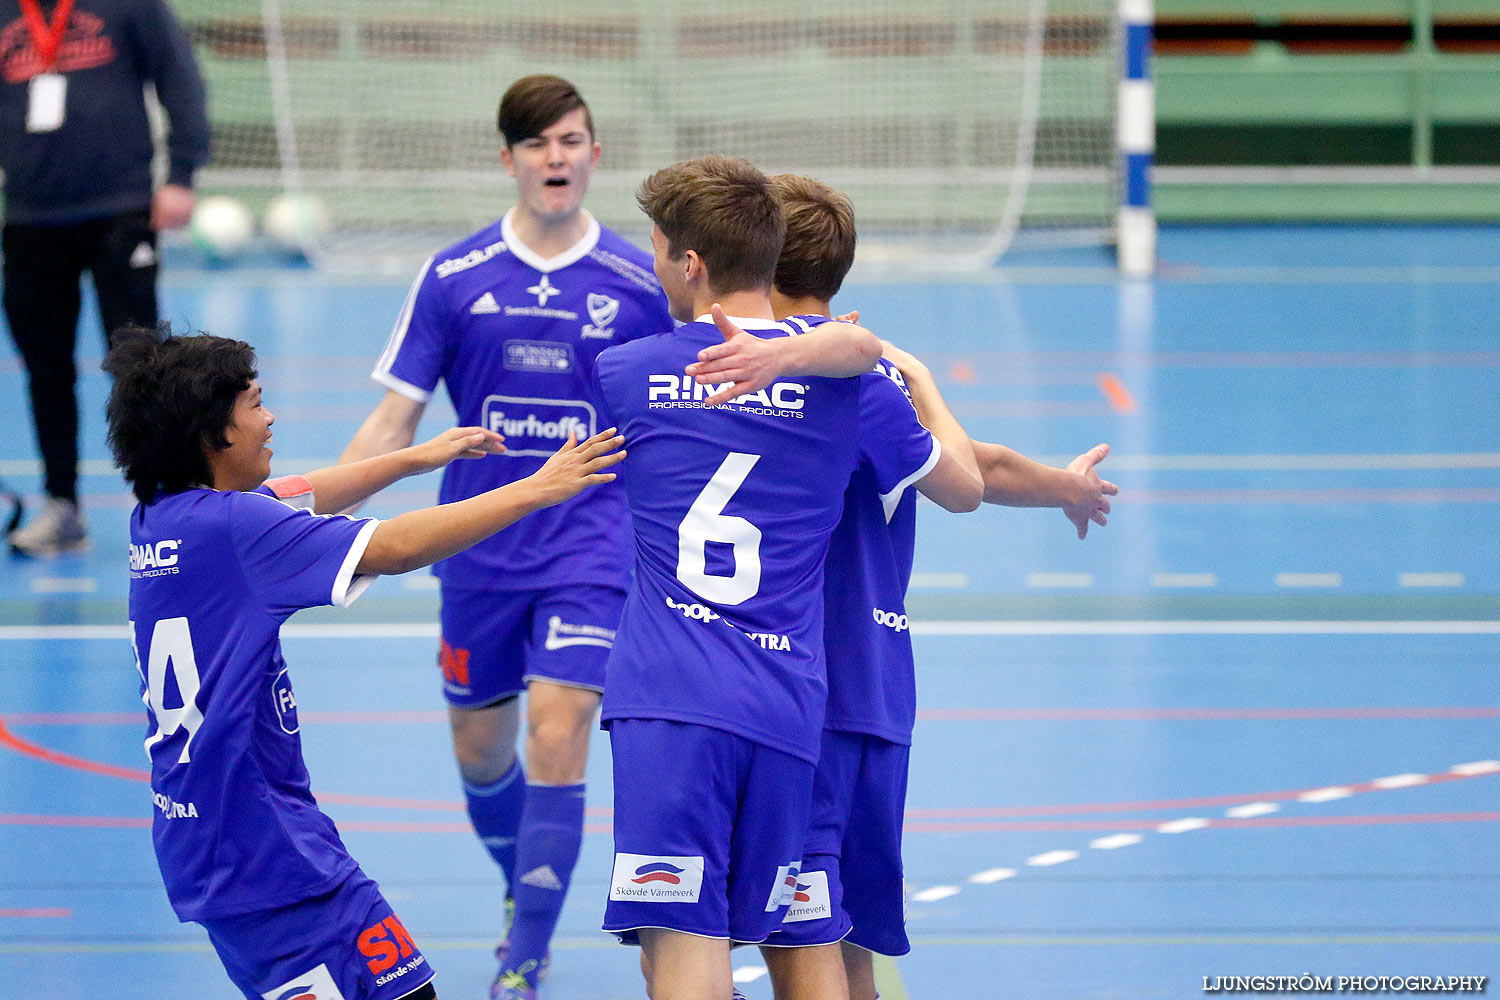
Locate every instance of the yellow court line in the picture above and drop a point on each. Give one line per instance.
(888, 979)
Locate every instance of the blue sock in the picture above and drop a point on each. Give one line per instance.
(495, 811)
(546, 851)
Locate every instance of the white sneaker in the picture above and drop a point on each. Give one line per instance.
(57, 529)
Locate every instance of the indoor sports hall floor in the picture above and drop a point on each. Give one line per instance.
(1249, 729)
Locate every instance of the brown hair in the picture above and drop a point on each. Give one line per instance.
(819, 247)
(722, 208)
(535, 103)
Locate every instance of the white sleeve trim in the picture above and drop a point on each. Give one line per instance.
(890, 501)
(403, 321)
(346, 586)
(403, 388)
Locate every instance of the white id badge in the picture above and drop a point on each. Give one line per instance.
(47, 99)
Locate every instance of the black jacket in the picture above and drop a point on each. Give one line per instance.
(98, 163)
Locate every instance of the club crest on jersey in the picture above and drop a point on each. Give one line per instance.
(649, 878)
(537, 426)
(810, 899)
(602, 312)
(286, 703)
(314, 984)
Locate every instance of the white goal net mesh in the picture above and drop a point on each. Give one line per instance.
(952, 124)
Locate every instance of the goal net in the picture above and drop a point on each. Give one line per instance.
(958, 127)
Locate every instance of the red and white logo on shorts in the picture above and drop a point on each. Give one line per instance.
(314, 984)
(656, 878)
(785, 889)
(810, 901)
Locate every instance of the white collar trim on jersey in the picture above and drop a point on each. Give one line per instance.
(526, 255)
(743, 322)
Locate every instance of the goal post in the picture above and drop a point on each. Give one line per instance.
(959, 128)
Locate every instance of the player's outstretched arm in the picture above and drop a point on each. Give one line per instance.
(422, 537)
(954, 483)
(340, 487)
(750, 363)
(1013, 480)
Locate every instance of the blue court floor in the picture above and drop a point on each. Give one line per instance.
(1251, 728)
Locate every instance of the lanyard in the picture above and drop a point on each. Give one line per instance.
(47, 38)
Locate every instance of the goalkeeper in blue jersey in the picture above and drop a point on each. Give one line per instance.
(860, 783)
(219, 558)
(716, 684)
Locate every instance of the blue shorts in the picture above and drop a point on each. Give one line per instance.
(859, 795)
(708, 831)
(344, 944)
(496, 642)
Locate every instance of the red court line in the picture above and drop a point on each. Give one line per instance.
(1206, 714)
(29, 749)
(36, 912)
(1114, 390)
(105, 822)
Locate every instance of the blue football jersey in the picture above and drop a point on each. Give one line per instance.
(514, 338)
(212, 577)
(733, 508)
(871, 671)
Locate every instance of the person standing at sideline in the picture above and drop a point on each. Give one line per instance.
(76, 149)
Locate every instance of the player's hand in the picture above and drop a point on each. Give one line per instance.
(749, 363)
(906, 363)
(458, 442)
(577, 465)
(1092, 502)
(171, 207)
(848, 317)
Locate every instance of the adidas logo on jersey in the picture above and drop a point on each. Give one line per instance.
(484, 304)
(543, 878)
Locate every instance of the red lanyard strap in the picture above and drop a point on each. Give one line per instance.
(47, 38)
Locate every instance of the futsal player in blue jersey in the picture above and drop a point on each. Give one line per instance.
(715, 696)
(217, 562)
(510, 320)
(860, 782)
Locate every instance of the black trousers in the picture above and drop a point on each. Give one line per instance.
(43, 268)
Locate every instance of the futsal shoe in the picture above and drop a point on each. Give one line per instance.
(57, 529)
(502, 950)
(512, 986)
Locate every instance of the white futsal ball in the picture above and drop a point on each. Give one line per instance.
(221, 227)
(295, 222)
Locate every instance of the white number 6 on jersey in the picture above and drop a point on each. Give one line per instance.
(171, 648)
(706, 522)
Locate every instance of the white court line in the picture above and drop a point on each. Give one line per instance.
(424, 630)
(1075, 580)
(1049, 858)
(1184, 580)
(1476, 768)
(1400, 781)
(748, 973)
(940, 579)
(1251, 810)
(1432, 579)
(936, 893)
(1309, 580)
(1183, 825)
(992, 875)
(64, 585)
(1325, 794)
(1116, 841)
(1131, 462)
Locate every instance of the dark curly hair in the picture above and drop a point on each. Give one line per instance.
(173, 398)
